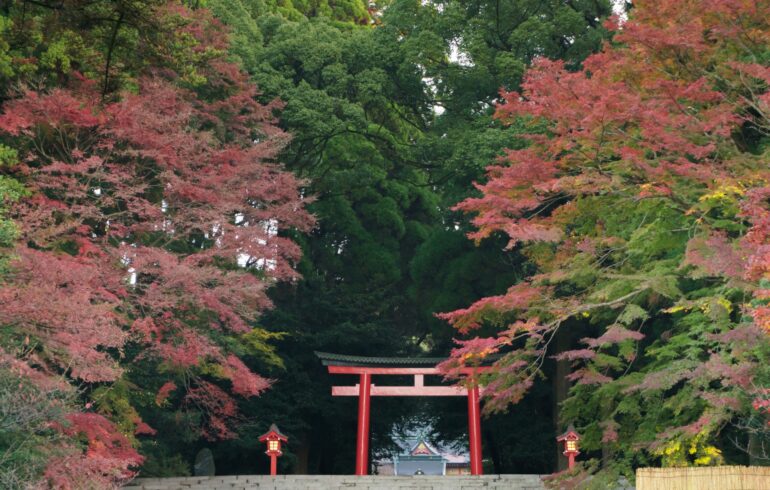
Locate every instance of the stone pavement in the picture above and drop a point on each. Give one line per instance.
(339, 482)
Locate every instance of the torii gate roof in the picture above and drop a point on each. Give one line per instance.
(328, 359)
(412, 366)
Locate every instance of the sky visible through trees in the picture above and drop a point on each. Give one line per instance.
(195, 196)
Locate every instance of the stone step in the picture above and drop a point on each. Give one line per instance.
(340, 482)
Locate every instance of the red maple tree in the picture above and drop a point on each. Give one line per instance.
(648, 124)
(153, 221)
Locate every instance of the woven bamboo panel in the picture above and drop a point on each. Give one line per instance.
(704, 478)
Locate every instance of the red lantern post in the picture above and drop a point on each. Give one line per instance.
(273, 438)
(570, 440)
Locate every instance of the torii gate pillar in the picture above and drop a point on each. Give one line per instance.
(474, 430)
(362, 436)
(365, 367)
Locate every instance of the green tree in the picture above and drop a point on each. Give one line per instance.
(355, 108)
(364, 105)
(643, 212)
(467, 52)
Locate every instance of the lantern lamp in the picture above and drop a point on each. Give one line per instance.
(571, 447)
(273, 439)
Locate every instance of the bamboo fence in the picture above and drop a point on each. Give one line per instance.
(704, 478)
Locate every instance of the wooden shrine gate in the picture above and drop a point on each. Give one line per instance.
(366, 367)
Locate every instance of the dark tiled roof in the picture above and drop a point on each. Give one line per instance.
(328, 359)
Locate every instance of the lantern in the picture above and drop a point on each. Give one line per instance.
(571, 448)
(273, 439)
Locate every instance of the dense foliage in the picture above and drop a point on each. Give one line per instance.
(643, 208)
(390, 122)
(197, 195)
(385, 158)
(149, 231)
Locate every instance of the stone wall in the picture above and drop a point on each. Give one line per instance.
(333, 482)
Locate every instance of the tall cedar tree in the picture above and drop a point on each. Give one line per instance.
(644, 208)
(150, 236)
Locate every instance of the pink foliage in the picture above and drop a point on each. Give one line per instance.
(722, 401)
(618, 128)
(572, 355)
(245, 382)
(185, 348)
(142, 428)
(217, 406)
(663, 379)
(588, 376)
(108, 457)
(117, 188)
(471, 352)
(31, 369)
(610, 431)
(164, 392)
(68, 302)
(697, 426)
(614, 335)
(727, 373)
(518, 297)
(761, 402)
(715, 255)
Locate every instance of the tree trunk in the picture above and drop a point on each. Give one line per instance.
(110, 48)
(303, 456)
(755, 450)
(494, 453)
(560, 390)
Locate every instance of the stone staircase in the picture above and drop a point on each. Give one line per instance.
(335, 482)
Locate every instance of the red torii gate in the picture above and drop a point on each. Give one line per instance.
(366, 367)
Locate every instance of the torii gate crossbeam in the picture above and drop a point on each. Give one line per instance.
(366, 367)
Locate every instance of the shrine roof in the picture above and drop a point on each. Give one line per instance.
(329, 359)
